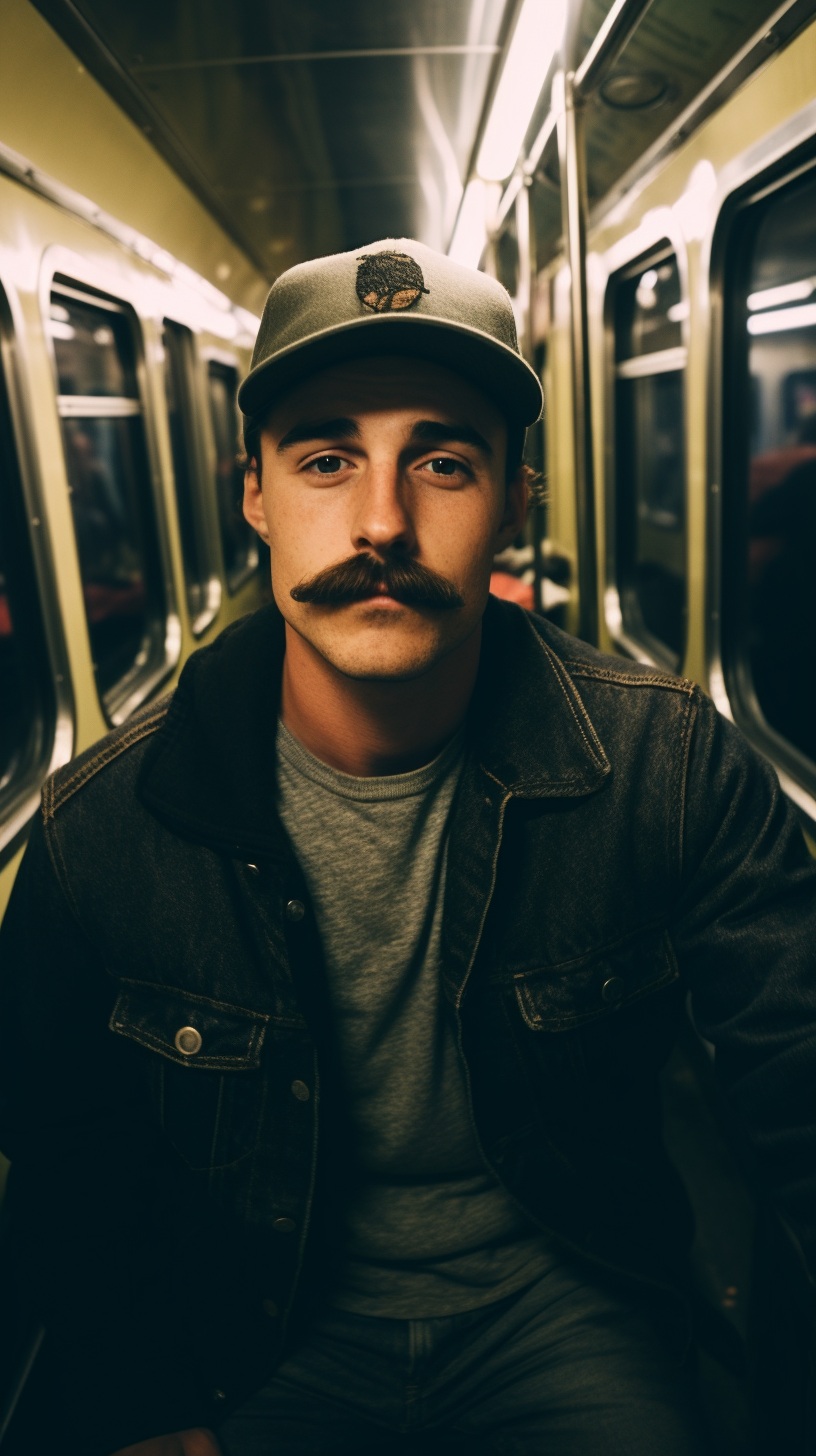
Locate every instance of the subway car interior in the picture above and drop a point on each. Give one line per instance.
(641, 177)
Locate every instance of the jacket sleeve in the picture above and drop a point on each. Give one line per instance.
(95, 1205)
(745, 935)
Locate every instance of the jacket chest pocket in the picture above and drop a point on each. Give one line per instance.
(596, 985)
(204, 1077)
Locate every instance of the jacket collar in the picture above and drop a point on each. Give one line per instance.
(530, 728)
(208, 774)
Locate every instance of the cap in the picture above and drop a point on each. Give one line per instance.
(391, 297)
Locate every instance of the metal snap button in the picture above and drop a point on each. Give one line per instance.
(269, 1307)
(295, 910)
(188, 1041)
(253, 869)
(301, 1091)
(219, 1394)
(612, 990)
(284, 1225)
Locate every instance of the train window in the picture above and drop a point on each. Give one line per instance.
(649, 528)
(111, 495)
(648, 310)
(770, 577)
(27, 706)
(201, 582)
(238, 539)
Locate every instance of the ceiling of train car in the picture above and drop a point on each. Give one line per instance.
(309, 127)
(679, 46)
(675, 51)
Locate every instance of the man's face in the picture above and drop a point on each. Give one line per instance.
(393, 471)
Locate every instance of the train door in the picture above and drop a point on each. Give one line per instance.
(646, 587)
(197, 524)
(36, 720)
(239, 544)
(127, 589)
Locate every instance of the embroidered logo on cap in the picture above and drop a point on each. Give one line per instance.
(389, 282)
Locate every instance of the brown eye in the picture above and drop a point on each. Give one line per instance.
(444, 466)
(328, 464)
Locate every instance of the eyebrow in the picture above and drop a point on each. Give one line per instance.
(428, 432)
(435, 432)
(340, 429)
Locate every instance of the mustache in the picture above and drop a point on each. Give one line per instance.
(363, 576)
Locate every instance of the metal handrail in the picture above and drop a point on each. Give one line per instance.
(568, 99)
(613, 36)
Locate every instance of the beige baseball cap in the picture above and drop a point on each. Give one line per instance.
(391, 297)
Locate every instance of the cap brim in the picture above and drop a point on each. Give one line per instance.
(487, 363)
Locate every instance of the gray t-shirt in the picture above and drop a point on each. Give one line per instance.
(428, 1229)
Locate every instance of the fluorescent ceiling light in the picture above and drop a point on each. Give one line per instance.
(536, 39)
(470, 233)
(782, 319)
(787, 293)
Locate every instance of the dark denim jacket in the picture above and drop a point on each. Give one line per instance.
(614, 845)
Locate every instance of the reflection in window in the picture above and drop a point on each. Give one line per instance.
(94, 349)
(26, 694)
(649, 311)
(111, 494)
(202, 586)
(650, 476)
(238, 539)
(779, 633)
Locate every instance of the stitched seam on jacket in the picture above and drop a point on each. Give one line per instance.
(210, 1064)
(621, 942)
(210, 1060)
(57, 858)
(598, 758)
(563, 1023)
(504, 788)
(607, 674)
(106, 756)
(677, 809)
(253, 1172)
(560, 667)
(690, 720)
(50, 802)
(165, 990)
(565, 783)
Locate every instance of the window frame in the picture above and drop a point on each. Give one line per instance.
(227, 360)
(767, 171)
(68, 272)
(621, 266)
(20, 803)
(193, 405)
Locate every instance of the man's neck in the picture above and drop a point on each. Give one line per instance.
(370, 728)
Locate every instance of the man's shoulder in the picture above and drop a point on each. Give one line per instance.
(118, 750)
(203, 683)
(592, 666)
(638, 711)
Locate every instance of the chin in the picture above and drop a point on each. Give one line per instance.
(383, 655)
(383, 667)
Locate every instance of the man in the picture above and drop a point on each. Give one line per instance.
(335, 989)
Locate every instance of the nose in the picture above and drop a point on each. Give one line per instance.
(382, 521)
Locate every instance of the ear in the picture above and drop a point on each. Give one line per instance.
(515, 510)
(253, 500)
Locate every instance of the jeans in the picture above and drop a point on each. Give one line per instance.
(560, 1368)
